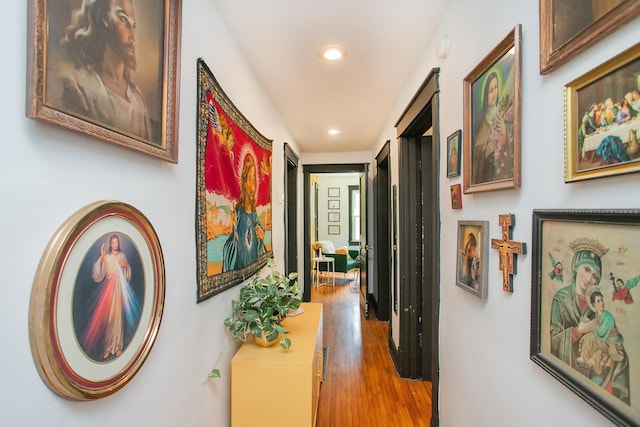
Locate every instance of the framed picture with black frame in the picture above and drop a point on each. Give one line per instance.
(585, 269)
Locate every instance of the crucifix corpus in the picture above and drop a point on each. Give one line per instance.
(508, 250)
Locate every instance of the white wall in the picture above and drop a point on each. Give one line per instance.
(342, 182)
(486, 377)
(47, 173)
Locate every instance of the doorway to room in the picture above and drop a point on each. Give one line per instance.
(419, 227)
(340, 215)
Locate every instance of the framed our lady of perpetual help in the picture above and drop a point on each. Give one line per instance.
(491, 131)
(585, 306)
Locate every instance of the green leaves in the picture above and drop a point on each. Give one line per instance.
(263, 304)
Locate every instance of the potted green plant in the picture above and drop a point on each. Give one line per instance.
(262, 306)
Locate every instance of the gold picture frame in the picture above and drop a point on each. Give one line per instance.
(97, 301)
(569, 27)
(491, 119)
(600, 140)
(137, 109)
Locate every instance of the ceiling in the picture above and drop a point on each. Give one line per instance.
(383, 40)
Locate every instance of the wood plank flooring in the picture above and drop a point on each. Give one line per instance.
(362, 387)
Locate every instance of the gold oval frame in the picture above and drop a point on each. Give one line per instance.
(53, 360)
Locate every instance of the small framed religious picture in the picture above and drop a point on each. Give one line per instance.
(456, 196)
(453, 154)
(473, 252)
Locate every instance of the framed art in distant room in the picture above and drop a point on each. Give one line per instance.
(567, 27)
(453, 154)
(334, 229)
(333, 192)
(334, 216)
(66, 84)
(602, 119)
(334, 204)
(584, 306)
(491, 119)
(472, 254)
(97, 301)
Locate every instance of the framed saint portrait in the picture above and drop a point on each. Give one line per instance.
(473, 251)
(453, 154)
(567, 27)
(491, 136)
(584, 306)
(233, 192)
(72, 44)
(602, 119)
(97, 301)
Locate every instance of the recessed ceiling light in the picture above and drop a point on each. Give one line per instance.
(334, 131)
(333, 53)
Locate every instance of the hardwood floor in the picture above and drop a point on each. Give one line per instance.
(362, 387)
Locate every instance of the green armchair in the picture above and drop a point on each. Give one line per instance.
(343, 262)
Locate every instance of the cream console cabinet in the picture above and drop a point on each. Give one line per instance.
(271, 386)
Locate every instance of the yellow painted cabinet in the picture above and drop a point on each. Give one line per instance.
(271, 386)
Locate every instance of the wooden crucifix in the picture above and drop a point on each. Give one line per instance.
(508, 250)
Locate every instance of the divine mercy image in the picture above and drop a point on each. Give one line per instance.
(108, 297)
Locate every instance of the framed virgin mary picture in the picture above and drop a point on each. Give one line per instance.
(491, 135)
(584, 306)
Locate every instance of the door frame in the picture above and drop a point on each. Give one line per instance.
(420, 115)
(382, 234)
(307, 170)
(290, 209)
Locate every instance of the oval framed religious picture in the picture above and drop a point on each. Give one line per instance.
(97, 301)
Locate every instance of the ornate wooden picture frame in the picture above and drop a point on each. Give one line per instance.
(491, 127)
(472, 257)
(602, 119)
(97, 301)
(584, 313)
(66, 87)
(568, 27)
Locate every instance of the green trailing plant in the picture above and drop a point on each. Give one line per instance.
(262, 306)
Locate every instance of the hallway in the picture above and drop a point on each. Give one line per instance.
(362, 387)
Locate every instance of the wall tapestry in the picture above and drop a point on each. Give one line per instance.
(233, 192)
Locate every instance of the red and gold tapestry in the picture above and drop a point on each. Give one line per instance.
(233, 218)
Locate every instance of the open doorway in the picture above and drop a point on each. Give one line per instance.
(291, 209)
(328, 214)
(419, 226)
